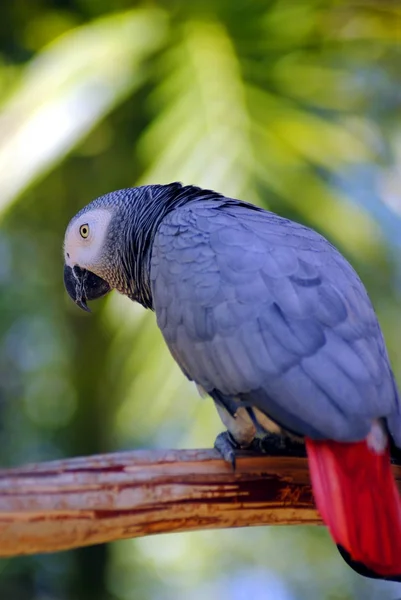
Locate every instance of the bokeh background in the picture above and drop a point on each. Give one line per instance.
(294, 105)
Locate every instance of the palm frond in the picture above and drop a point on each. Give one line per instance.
(69, 87)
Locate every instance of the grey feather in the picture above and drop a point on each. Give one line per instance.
(259, 308)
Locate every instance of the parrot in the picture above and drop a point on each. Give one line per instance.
(271, 321)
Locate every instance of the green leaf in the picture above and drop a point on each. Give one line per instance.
(68, 88)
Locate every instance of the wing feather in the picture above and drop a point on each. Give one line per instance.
(268, 311)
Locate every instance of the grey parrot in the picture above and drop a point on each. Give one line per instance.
(270, 320)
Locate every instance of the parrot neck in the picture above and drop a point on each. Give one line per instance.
(152, 205)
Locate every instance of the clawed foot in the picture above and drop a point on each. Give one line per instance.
(272, 444)
(275, 444)
(226, 445)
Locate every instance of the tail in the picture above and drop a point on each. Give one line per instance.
(358, 500)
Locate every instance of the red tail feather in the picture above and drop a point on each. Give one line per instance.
(356, 495)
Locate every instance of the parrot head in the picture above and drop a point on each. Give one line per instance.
(84, 247)
(96, 248)
(108, 244)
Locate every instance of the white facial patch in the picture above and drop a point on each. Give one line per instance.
(86, 251)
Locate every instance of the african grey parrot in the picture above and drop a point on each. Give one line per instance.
(271, 321)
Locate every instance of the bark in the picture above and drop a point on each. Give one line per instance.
(82, 501)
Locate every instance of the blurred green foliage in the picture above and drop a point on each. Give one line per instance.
(290, 104)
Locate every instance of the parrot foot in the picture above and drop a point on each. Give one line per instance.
(271, 444)
(275, 444)
(226, 445)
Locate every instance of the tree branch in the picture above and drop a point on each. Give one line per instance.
(82, 501)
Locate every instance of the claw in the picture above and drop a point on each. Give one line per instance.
(227, 447)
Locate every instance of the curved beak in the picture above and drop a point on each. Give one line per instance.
(83, 285)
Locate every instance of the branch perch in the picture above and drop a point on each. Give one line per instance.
(82, 501)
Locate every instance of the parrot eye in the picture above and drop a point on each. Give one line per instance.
(84, 230)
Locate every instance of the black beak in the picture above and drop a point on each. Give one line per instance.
(83, 285)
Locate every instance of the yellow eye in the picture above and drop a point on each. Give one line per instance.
(84, 230)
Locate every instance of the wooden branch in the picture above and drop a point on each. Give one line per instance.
(82, 501)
